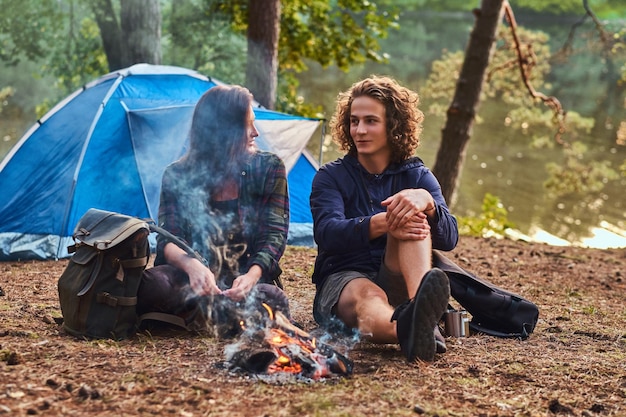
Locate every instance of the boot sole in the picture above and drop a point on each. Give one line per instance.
(430, 303)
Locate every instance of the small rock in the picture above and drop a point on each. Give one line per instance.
(86, 391)
(52, 383)
(418, 409)
(13, 358)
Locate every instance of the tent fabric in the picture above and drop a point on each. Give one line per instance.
(106, 146)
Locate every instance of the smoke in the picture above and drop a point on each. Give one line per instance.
(277, 351)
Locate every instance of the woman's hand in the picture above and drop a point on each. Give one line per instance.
(243, 284)
(201, 278)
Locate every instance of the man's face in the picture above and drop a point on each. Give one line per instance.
(368, 126)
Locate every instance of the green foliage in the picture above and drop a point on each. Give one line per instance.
(290, 101)
(59, 35)
(525, 114)
(342, 33)
(602, 8)
(577, 174)
(503, 81)
(5, 93)
(198, 37)
(555, 7)
(28, 28)
(436, 5)
(80, 58)
(44, 107)
(492, 221)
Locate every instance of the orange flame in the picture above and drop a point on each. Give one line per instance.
(281, 342)
(296, 351)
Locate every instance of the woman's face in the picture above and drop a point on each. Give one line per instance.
(251, 131)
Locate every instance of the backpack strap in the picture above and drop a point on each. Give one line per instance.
(114, 301)
(177, 241)
(134, 262)
(164, 317)
(94, 275)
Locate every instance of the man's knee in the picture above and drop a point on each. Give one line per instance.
(354, 294)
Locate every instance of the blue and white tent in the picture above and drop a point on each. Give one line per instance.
(106, 147)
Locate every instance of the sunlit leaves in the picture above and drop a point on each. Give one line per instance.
(342, 32)
(5, 93)
(441, 83)
(491, 221)
(578, 173)
(329, 32)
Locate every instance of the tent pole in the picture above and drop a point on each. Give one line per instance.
(321, 157)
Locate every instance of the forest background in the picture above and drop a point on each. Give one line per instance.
(573, 364)
(520, 173)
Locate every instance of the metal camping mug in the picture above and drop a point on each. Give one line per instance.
(457, 323)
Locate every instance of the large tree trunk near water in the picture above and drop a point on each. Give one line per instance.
(262, 64)
(137, 40)
(461, 113)
(141, 31)
(110, 32)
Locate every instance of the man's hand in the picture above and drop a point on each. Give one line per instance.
(405, 206)
(416, 228)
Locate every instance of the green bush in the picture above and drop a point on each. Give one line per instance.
(492, 221)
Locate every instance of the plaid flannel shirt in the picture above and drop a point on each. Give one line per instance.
(263, 206)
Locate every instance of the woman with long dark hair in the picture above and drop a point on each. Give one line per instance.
(229, 202)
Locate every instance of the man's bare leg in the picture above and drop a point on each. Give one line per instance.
(364, 305)
(411, 258)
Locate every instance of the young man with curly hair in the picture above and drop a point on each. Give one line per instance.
(378, 212)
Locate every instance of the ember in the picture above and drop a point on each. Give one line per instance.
(281, 347)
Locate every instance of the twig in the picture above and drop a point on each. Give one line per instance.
(526, 64)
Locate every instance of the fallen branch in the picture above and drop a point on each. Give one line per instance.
(525, 65)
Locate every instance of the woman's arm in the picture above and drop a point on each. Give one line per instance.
(272, 227)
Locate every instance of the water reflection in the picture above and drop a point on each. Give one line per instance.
(499, 160)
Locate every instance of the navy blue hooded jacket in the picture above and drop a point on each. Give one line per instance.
(345, 196)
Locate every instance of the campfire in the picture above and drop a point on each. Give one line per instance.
(279, 347)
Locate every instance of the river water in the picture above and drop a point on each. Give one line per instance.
(499, 161)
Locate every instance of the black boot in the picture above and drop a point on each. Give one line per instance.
(418, 317)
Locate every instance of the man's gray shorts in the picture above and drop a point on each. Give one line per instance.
(327, 296)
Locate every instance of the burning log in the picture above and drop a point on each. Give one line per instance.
(281, 347)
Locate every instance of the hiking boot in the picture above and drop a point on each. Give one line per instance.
(440, 341)
(417, 318)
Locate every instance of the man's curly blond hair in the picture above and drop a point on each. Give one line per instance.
(402, 116)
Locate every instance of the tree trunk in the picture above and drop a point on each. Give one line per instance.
(141, 32)
(262, 64)
(110, 32)
(461, 113)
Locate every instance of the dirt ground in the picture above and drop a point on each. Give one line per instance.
(574, 364)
